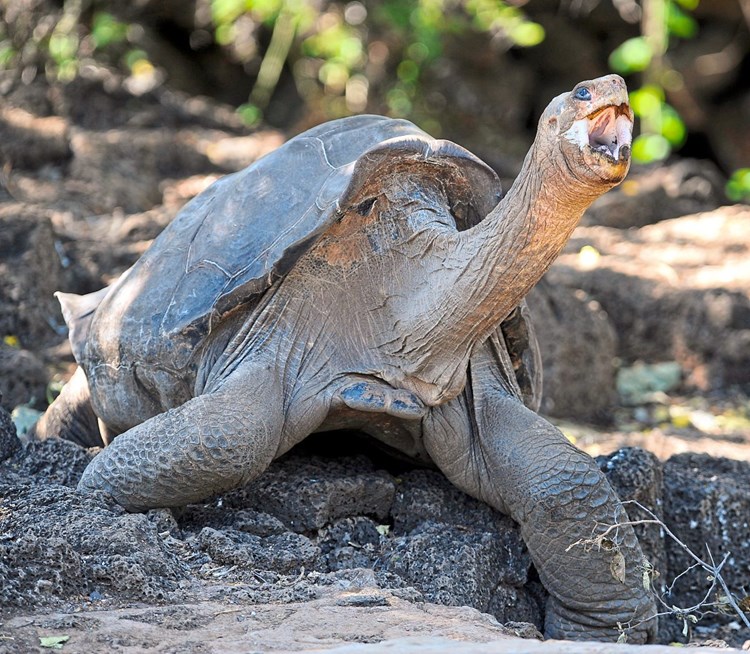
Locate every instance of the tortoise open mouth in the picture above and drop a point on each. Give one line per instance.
(610, 131)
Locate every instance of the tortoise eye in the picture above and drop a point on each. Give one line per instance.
(583, 94)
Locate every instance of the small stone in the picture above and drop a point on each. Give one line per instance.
(362, 600)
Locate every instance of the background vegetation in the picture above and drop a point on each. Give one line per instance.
(476, 70)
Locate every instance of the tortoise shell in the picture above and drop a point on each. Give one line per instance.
(246, 231)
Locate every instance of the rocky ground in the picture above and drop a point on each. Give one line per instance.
(644, 324)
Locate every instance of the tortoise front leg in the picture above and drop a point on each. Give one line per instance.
(210, 444)
(70, 416)
(494, 448)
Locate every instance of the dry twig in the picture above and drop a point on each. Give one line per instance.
(690, 614)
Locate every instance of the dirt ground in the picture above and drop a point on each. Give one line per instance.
(644, 325)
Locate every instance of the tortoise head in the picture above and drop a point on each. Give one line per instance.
(591, 129)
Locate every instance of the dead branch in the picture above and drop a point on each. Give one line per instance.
(686, 614)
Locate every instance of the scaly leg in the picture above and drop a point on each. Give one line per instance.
(70, 416)
(210, 444)
(494, 448)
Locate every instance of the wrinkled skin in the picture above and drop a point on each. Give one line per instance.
(389, 323)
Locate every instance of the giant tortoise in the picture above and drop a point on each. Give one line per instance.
(364, 275)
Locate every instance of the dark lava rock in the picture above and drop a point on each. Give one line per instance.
(350, 543)
(426, 496)
(661, 192)
(128, 164)
(451, 565)
(457, 550)
(23, 378)
(165, 522)
(707, 506)
(512, 604)
(217, 516)
(53, 461)
(572, 328)
(30, 141)
(55, 542)
(637, 307)
(34, 570)
(310, 493)
(670, 289)
(9, 443)
(418, 533)
(30, 273)
(285, 553)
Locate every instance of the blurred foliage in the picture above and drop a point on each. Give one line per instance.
(738, 186)
(107, 30)
(640, 382)
(79, 35)
(348, 57)
(339, 54)
(662, 128)
(11, 340)
(336, 51)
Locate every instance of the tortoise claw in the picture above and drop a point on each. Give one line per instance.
(378, 397)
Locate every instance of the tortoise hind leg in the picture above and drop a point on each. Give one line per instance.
(70, 416)
(493, 447)
(210, 444)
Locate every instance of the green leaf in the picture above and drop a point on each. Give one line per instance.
(226, 11)
(134, 56)
(7, 55)
(106, 29)
(632, 56)
(63, 47)
(224, 33)
(690, 5)
(647, 100)
(679, 23)
(419, 52)
(399, 102)
(408, 71)
(251, 114)
(53, 642)
(396, 13)
(266, 10)
(527, 34)
(672, 126)
(738, 186)
(351, 50)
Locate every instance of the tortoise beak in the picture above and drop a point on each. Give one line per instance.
(610, 131)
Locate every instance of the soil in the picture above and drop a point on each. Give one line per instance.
(338, 543)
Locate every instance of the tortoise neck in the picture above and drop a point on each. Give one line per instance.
(507, 253)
